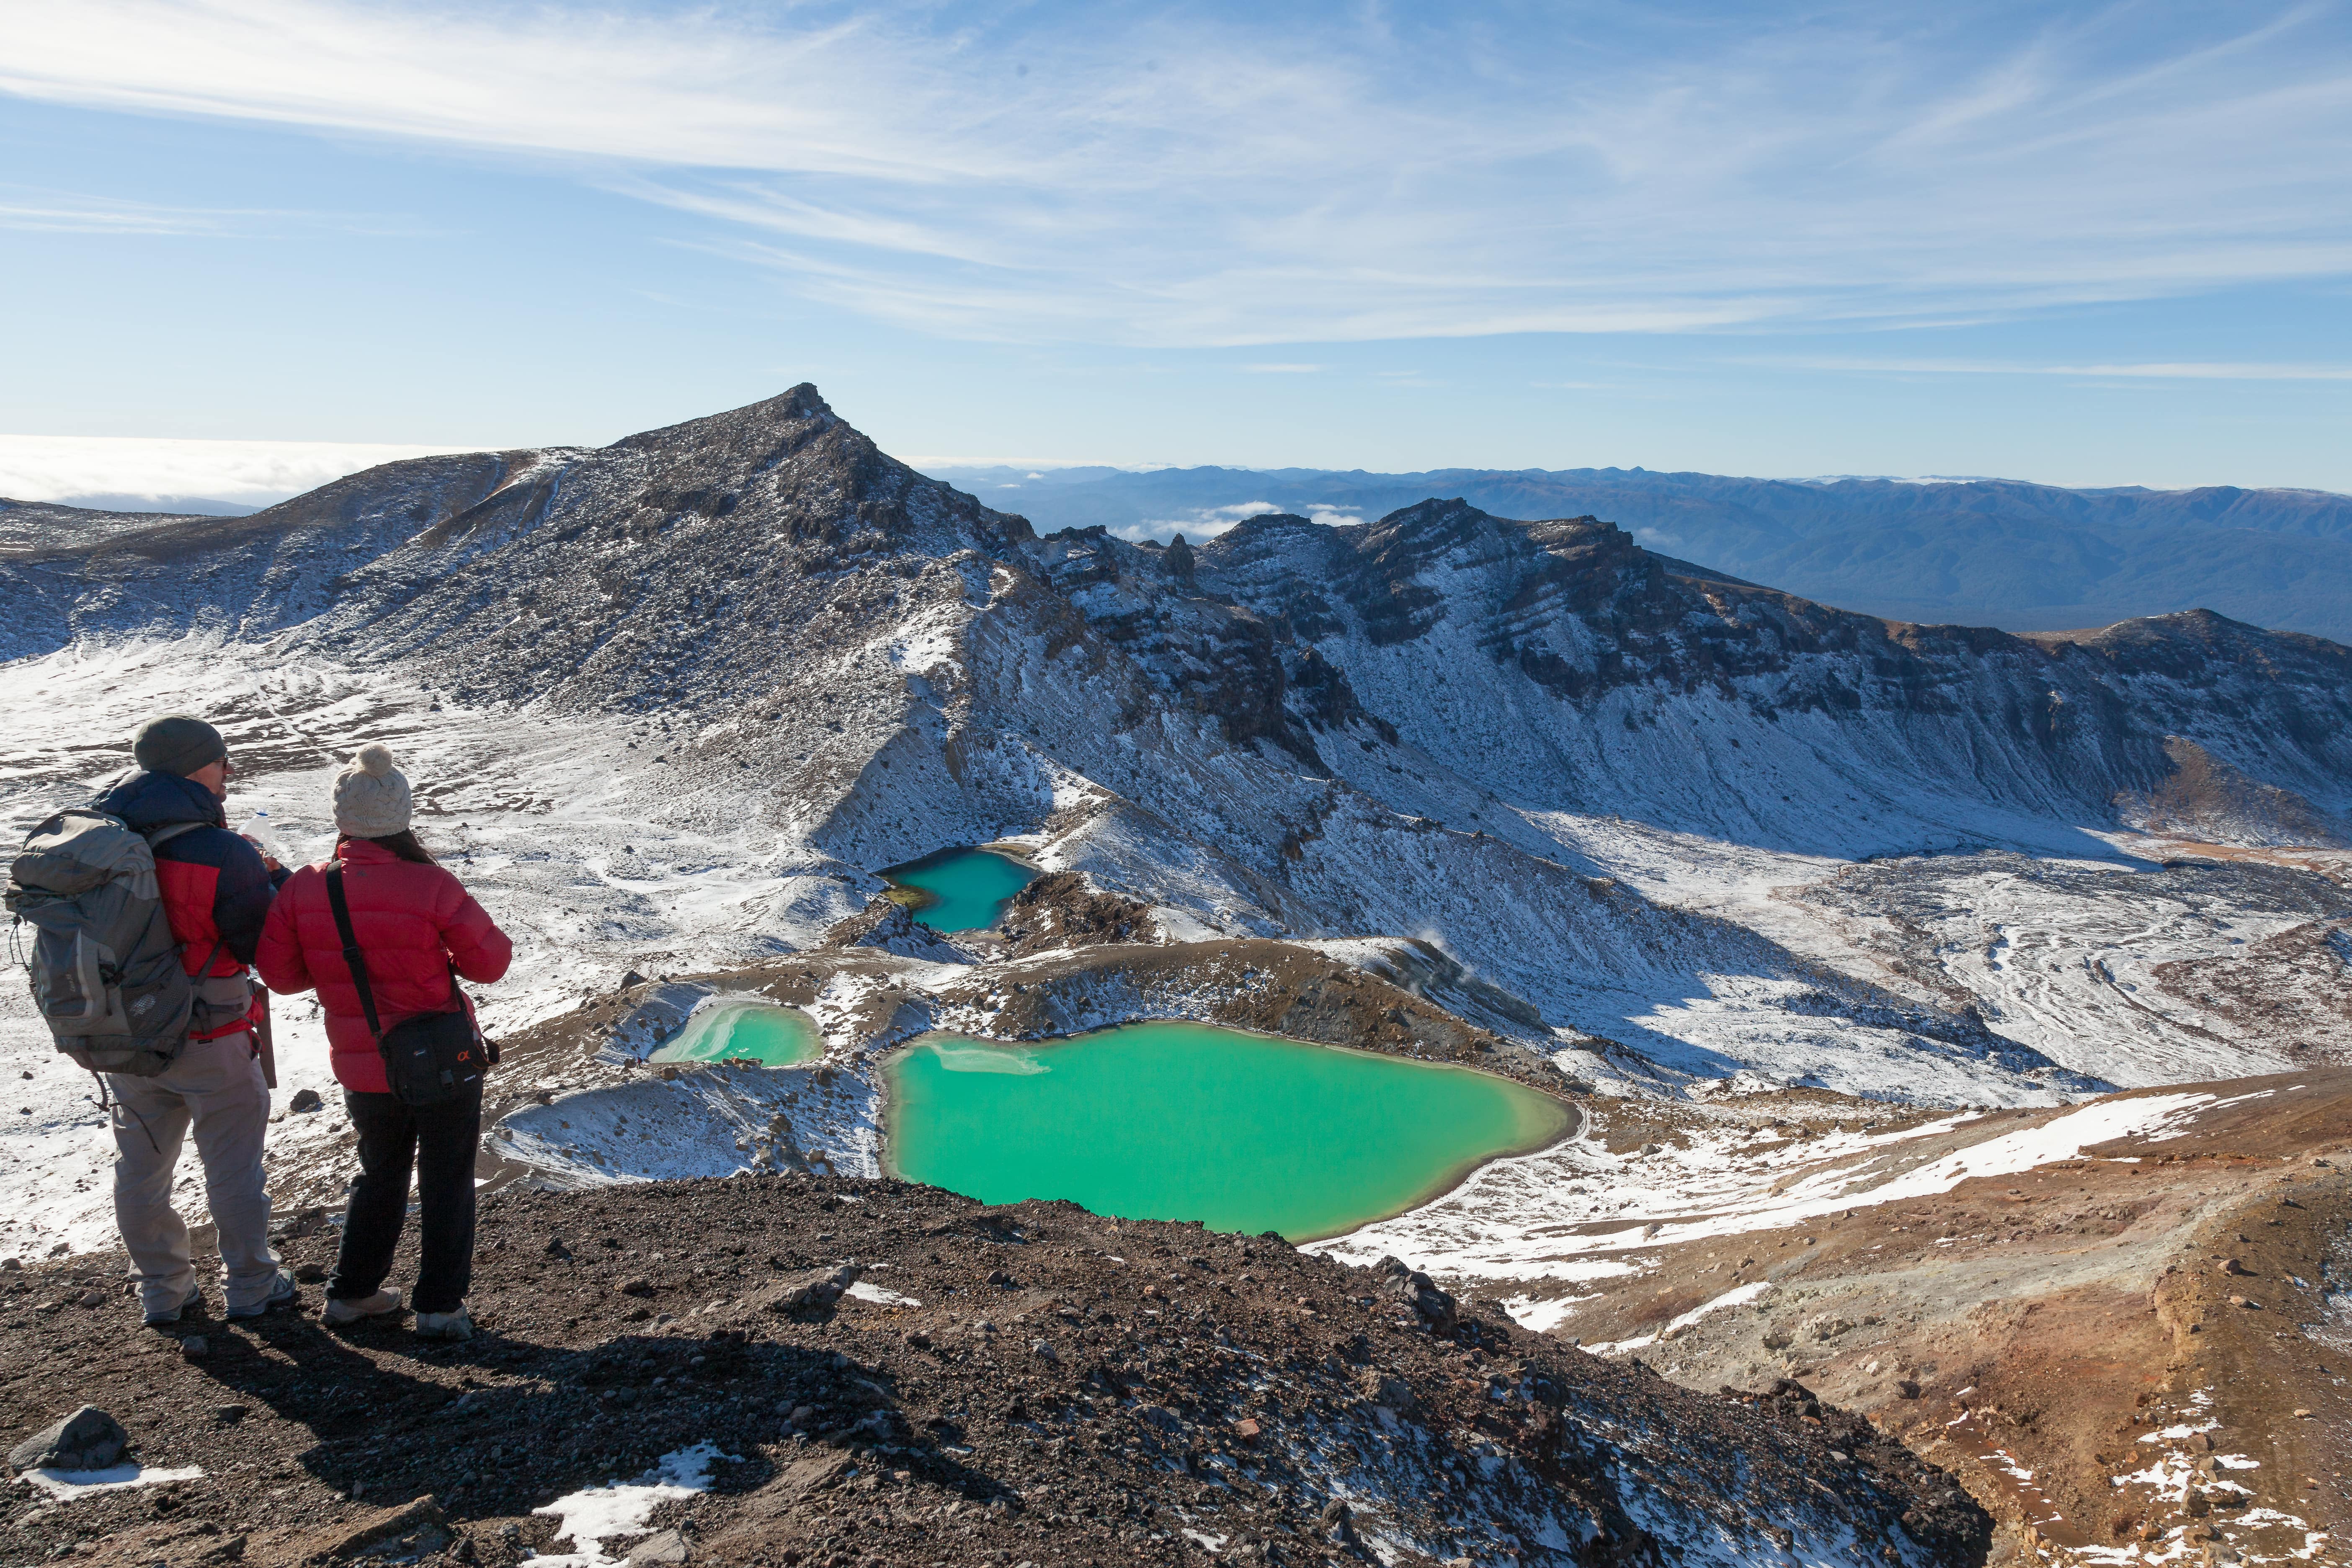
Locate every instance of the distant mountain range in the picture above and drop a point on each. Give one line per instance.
(1999, 552)
(170, 505)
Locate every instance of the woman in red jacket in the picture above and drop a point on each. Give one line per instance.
(418, 931)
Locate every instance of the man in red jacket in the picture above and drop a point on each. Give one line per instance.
(216, 889)
(417, 930)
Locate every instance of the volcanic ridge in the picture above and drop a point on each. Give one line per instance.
(1828, 931)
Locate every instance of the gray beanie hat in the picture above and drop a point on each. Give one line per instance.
(372, 796)
(177, 743)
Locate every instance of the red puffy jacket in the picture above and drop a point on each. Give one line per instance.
(413, 924)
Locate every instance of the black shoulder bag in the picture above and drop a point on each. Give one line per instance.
(429, 1060)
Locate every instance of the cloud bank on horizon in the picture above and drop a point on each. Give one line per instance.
(1241, 176)
(151, 474)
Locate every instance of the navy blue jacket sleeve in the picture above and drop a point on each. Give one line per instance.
(241, 897)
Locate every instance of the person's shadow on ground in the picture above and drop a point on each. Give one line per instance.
(508, 1425)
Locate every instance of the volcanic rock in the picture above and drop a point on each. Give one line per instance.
(961, 1451)
(88, 1440)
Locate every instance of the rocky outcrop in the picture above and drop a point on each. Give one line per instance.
(1059, 909)
(1416, 1290)
(887, 924)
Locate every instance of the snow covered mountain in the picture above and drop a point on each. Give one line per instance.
(1587, 770)
(1518, 793)
(700, 568)
(1999, 552)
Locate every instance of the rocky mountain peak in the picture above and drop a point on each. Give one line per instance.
(800, 406)
(803, 471)
(2200, 634)
(1426, 525)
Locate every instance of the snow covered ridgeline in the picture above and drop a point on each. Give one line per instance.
(672, 700)
(1909, 550)
(750, 566)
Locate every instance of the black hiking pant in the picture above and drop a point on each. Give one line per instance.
(438, 1142)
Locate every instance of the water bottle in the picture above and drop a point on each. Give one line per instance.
(259, 831)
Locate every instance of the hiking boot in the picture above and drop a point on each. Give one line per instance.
(453, 1325)
(165, 1316)
(282, 1295)
(341, 1313)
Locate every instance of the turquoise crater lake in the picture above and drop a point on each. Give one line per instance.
(1178, 1120)
(959, 889)
(748, 1031)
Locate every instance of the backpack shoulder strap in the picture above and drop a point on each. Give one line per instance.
(353, 959)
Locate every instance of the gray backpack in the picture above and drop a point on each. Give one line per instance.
(106, 972)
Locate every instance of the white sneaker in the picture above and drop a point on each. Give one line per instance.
(160, 1317)
(453, 1325)
(282, 1295)
(343, 1313)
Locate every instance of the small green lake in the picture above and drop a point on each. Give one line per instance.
(772, 1036)
(1176, 1121)
(960, 889)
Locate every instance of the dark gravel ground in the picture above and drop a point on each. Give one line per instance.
(1069, 1390)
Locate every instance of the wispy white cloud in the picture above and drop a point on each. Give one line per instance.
(69, 212)
(1209, 521)
(1196, 522)
(33, 210)
(253, 473)
(65, 214)
(1284, 369)
(2177, 370)
(1289, 177)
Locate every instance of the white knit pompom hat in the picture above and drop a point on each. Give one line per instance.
(372, 796)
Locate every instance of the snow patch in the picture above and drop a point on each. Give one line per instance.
(866, 1291)
(68, 1485)
(1552, 1214)
(590, 1517)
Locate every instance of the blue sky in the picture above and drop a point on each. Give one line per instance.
(2083, 243)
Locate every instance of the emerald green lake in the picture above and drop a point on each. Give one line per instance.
(772, 1036)
(961, 890)
(1175, 1120)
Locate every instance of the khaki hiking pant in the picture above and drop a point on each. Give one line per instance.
(216, 1088)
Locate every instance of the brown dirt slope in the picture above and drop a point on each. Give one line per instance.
(2124, 1355)
(1037, 1385)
